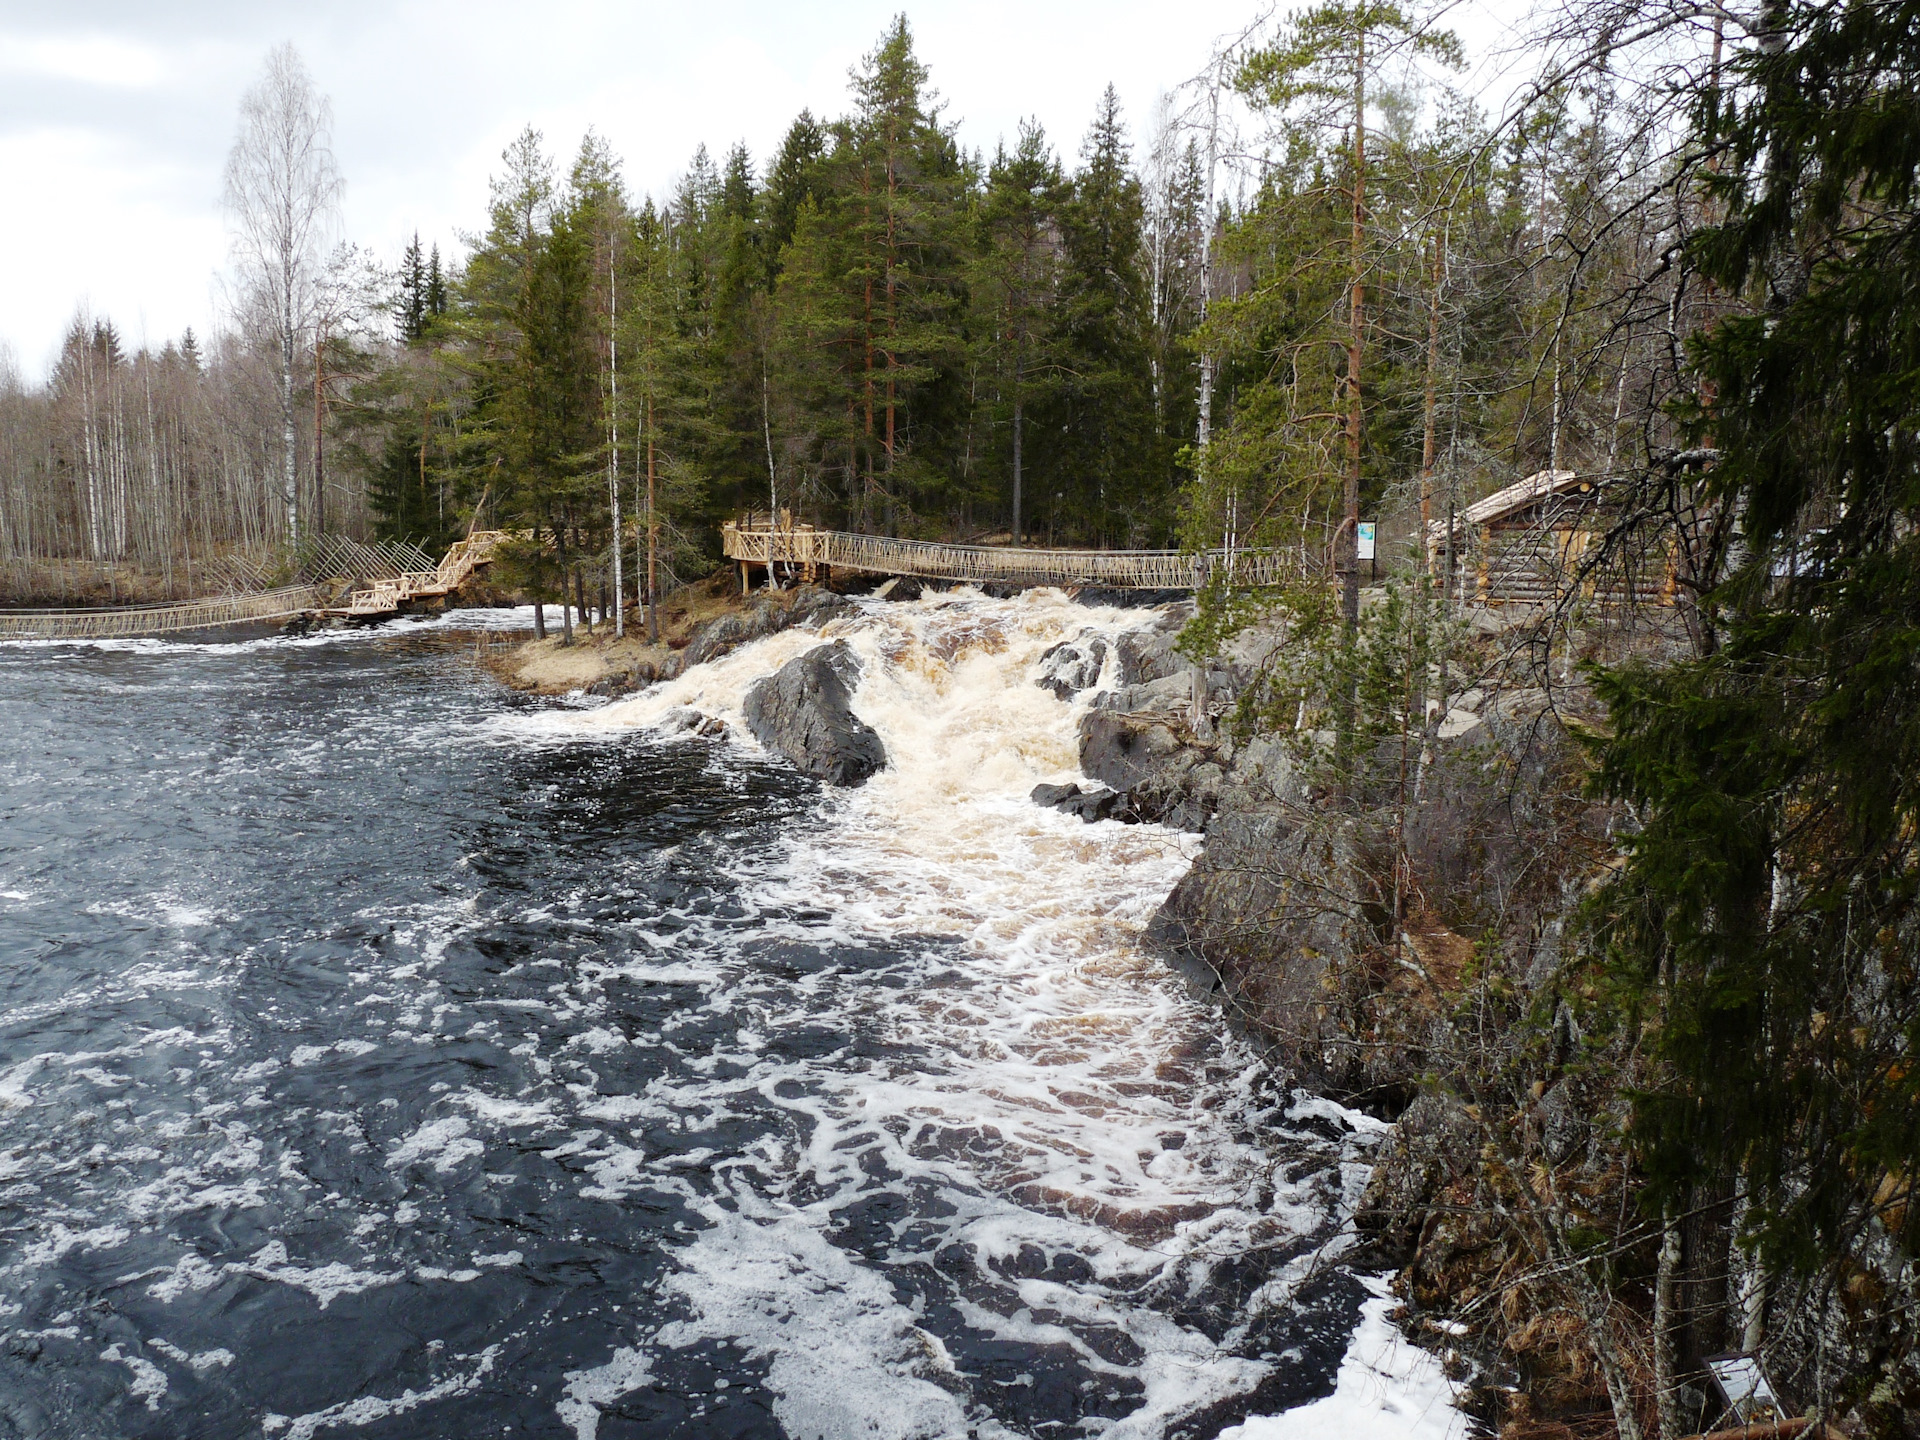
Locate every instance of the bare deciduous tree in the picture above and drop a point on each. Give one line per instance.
(282, 192)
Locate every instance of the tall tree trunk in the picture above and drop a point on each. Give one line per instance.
(1666, 1381)
(319, 435)
(288, 447)
(653, 538)
(613, 463)
(1019, 416)
(1349, 543)
(1429, 412)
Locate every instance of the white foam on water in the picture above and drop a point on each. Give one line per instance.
(846, 1356)
(476, 618)
(589, 1391)
(149, 1380)
(326, 1283)
(366, 1409)
(1068, 1092)
(443, 1143)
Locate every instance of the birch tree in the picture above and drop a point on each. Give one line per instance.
(282, 195)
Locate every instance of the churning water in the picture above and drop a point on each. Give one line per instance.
(383, 1054)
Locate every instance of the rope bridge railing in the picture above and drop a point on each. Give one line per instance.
(125, 621)
(384, 597)
(804, 547)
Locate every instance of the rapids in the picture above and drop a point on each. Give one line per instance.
(383, 1054)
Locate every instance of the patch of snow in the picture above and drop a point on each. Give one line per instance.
(1388, 1389)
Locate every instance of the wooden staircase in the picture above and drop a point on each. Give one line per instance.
(388, 597)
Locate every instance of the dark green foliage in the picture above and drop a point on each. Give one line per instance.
(1110, 475)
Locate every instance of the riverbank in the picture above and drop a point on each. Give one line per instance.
(601, 663)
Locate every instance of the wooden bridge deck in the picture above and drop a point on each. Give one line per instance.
(807, 549)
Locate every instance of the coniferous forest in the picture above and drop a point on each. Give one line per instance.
(1077, 340)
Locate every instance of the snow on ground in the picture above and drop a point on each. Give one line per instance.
(1388, 1389)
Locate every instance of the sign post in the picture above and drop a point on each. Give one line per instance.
(1364, 545)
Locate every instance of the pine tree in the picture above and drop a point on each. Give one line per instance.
(410, 303)
(436, 288)
(793, 179)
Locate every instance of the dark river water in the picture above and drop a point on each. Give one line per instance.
(384, 1054)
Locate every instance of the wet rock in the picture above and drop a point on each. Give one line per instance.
(1113, 598)
(902, 587)
(1433, 1143)
(1123, 750)
(765, 615)
(1090, 805)
(1267, 907)
(815, 605)
(1170, 695)
(804, 712)
(686, 721)
(1149, 654)
(1072, 666)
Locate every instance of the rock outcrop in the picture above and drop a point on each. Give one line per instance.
(765, 615)
(804, 711)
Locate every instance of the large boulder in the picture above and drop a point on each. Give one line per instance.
(1121, 750)
(1147, 654)
(805, 712)
(1272, 906)
(1090, 805)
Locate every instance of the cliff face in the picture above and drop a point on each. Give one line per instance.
(1359, 925)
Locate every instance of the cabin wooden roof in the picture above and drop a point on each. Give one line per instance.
(1502, 503)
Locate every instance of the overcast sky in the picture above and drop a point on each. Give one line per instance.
(115, 118)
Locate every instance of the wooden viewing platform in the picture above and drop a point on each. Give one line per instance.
(810, 551)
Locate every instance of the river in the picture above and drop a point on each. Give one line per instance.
(383, 1053)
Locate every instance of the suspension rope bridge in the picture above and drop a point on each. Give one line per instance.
(385, 596)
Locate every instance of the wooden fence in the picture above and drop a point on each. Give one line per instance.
(127, 620)
(806, 549)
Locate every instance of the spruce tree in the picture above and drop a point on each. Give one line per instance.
(1015, 290)
(1106, 471)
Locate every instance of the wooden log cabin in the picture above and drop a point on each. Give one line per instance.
(1536, 542)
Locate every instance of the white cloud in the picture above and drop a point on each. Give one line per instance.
(90, 59)
(115, 116)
